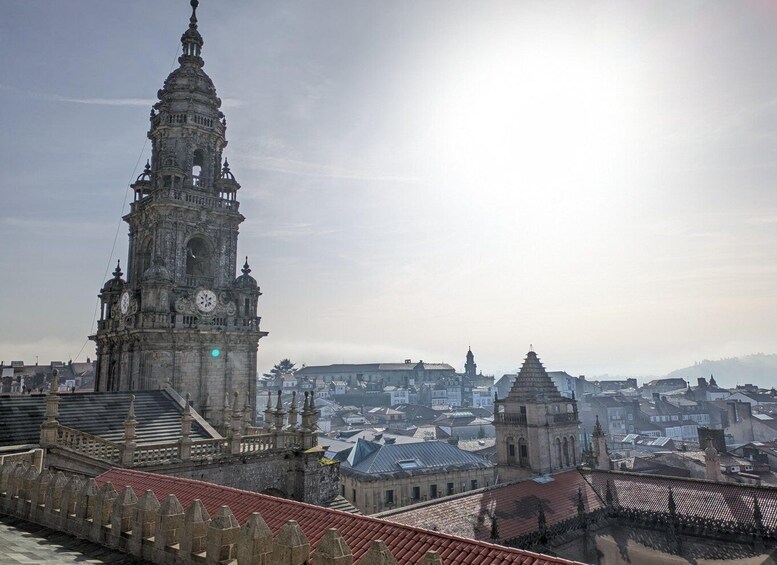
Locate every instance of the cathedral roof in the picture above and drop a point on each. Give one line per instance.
(533, 383)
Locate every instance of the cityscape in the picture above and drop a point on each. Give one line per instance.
(308, 348)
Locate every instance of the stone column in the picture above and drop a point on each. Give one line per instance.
(185, 448)
(291, 546)
(195, 530)
(129, 445)
(255, 542)
(223, 533)
(332, 549)
(48, 429)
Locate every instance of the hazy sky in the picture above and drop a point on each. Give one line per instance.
(593, 178)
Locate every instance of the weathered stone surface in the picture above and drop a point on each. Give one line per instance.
(169, 528)
(291, 545)
(195, 529)
(378, 554)
(223, 533)
(102, 511)
(255, 546)
(122, 517)
(332, 550)
(431, 557)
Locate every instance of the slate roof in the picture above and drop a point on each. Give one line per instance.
(370, 367)
(533, 383)
(515, 506)
(97, 413)
(408, 544)
(369, 458)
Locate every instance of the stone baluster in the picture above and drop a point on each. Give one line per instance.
(102, 512)
(130, 427)
(169, 528)
(185, 449)
(431, 557)
(54, 500)
(48, 429)
(332, 548)
(144, 524)
(24, 503)
(255, 542)
(122, 517)
(223, 533)
(87, 501)
(69, 503)
(291, 547)
(378, 554)
(236, 424)
(38, 498)
(195, 530)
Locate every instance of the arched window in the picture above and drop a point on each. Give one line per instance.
(510, 450)
(144, 257)
(523, 453)
(197, 164)
(198, 258)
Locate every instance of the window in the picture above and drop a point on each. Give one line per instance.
(389, 496)
(353, 494)
(450, 489)
(432, 491)
(473, 484)
(511, 450)
(416, 493)
(342, 491)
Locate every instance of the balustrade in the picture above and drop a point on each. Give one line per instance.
(87, 444)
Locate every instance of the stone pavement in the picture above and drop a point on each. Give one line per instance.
(23, 542)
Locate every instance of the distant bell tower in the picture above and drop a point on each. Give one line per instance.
(181, 317)
(470, 367)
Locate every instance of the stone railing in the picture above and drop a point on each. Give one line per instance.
(165, 533)
(155, 453)
(87, 444)
(209, 449)
(258, 442)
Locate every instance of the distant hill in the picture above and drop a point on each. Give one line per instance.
(758, 369)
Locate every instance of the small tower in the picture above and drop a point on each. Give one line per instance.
(470, 367)
(536, 427)
(599, 446)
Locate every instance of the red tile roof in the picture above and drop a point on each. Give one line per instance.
(515, 506)
(408, 544)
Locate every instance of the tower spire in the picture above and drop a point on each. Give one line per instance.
(191, 40)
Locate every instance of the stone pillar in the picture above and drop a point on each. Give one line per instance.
(185, 448)
(223, 533)
(237, 421)
(54, 500)
(69, 504)
(143, 524)
(122, 517)
(102, 512)
(129, 445)
(195, 530)
(332, 549)
(48, 429)
(291, 547)
(38, 498)
(599, 442)
(431, 557)
(169, 528)
(378, 554)
(255, 545)
(712, 462)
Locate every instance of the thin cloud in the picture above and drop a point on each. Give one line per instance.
(303, 168)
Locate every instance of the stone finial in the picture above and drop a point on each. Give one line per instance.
(223, 533)
(54, 382)
(598, 431)
(195, 530)
(293, 411)
(332, 549)
(170, 525)
(291, 545)
(279, 404)
(431, 557)
(378, 554)
(254, 542)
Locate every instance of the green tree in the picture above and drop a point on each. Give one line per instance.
(283, 367)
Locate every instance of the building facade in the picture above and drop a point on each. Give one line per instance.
(180, 317)
(536, 427)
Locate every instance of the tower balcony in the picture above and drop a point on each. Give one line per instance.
(503, 418)
(194, 281)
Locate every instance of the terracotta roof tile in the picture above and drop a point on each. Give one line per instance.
(408, 544)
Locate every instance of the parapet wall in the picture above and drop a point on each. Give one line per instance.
(165, 532)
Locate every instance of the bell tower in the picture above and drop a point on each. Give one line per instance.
(181, 317)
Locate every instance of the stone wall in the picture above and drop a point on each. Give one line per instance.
(164, 532)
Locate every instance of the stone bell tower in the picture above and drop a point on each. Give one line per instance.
(181, 317)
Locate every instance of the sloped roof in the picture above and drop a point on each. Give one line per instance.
(515, 506)
(369, 458)
(407, 544)
(97, 413)
(533, 383)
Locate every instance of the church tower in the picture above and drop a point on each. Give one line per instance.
(470, 367)
(536, 427)
(181, 317)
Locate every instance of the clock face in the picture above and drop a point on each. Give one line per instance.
(125, 302)
(205, 300)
